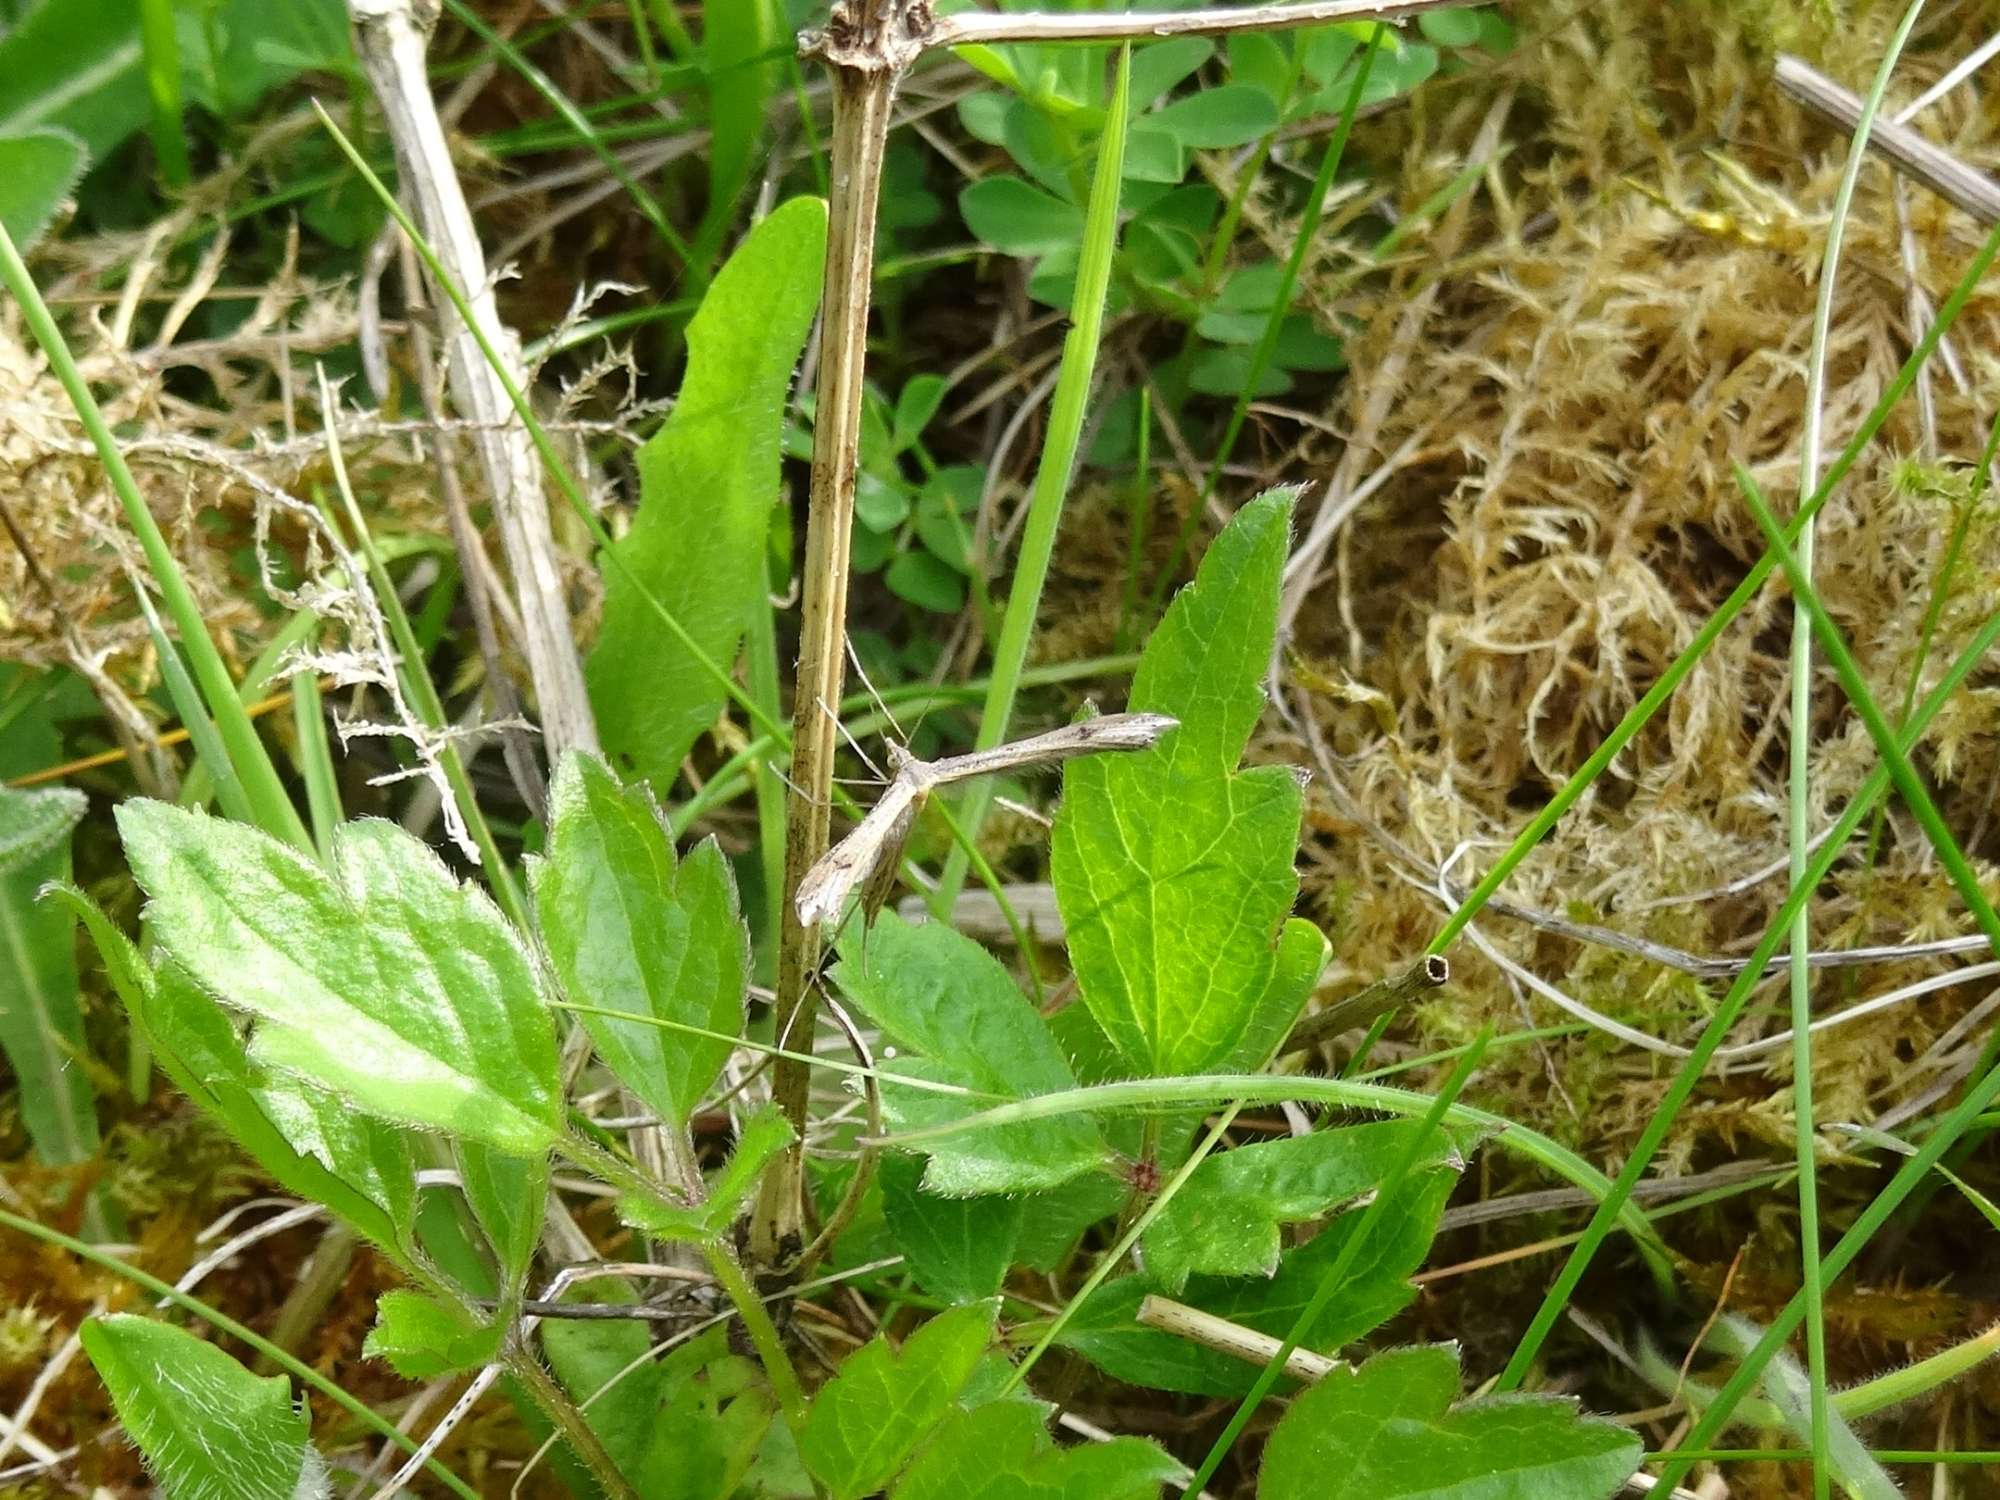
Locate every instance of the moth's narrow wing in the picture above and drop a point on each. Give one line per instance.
(852, 863)
(1088, 737)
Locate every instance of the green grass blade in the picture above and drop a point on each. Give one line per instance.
(1115, 1256)
(1281, 306)
(246, 753)
(1676, 672)
(1798, 811)
(417, 684)
(743, 42)
(1907, 782)
(316, 760)
(1908, 1177)
(587, 132)
(1965, 1113)
(1727, 1012)
(1067, 410)
(41, 1014)
(194, 718)
(197, 785)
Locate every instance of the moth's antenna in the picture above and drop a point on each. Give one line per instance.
(853, 744)
(882, 707)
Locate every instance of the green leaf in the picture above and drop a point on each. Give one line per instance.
(630, 930)
(1154, 156)
(80, 64)
(76, 64)
(41, 1012)
(866, 1422)
(1225, 1219)
(311, 1143)
(38, 169)
(1002, 1451)
(711, 1425)
(385, 981)
(1173, 869)
(938, 994)
(422, 1338)
(1303, 952)
(1162, 65)
(949, 498)
(1376, 1286)
(1390, 1429)
(1231, 114)
(1452, 28)
(738, 40)
(209, 1429)
(707, 482)
(926, 581)
(765, 1134)
(242, 49)
(509, 1196)
(1017, 218)
(959, 1249)
(33, 824)
(916, 404)
(1257, 60)
(1226, 372)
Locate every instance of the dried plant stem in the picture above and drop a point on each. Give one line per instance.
(1233, 1339)
(1364, 1006)
(1936, 168)
(389, 38)
(866, 46)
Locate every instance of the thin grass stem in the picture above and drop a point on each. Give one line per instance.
(1067, 411)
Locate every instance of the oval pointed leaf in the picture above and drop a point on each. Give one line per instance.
(1390, 1428)
(938, 994)
(209, 1429)
(630, 930)
(386, 981)
(1019, 218)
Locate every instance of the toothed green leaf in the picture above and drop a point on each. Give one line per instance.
(940, 996)
(1225, 1219)
(631, 929)
(422, 1339)
(1391, 1431)
(1173, 868)
(209, 1429)
(385, 980)
(1002, 1451)
(867, 1421)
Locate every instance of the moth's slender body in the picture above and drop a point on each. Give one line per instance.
(866, 859)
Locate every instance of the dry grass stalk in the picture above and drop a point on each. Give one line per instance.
(390, 37)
